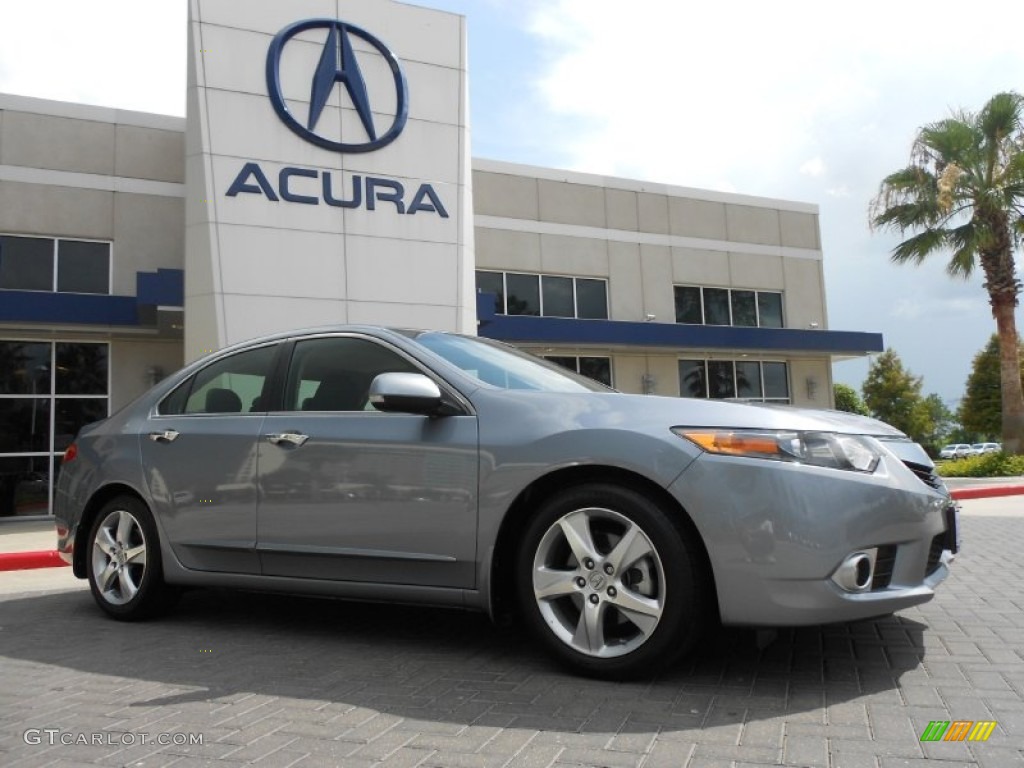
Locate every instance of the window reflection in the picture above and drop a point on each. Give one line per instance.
(24, 485)
(48, 391)
(749, 379)
(492, 282)
(593, 367)
(71, 414)
(696, 305)
(523, 294)
(82, 369)
(24, 368)
(591, 299)
(558, 298)
(24, 425)
(518, 293)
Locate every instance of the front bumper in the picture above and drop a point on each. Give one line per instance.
(777, 532)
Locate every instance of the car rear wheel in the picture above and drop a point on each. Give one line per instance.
(125, 571)
(609, 582)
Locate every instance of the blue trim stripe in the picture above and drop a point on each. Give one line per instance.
(556, 330)
(163, 288)
(72, 308)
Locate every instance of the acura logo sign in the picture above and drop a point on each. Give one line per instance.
(339, 64)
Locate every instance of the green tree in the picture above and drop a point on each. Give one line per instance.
(981, 409)
(963, 194)
(848, 400)
(893, 395)
(943, 422)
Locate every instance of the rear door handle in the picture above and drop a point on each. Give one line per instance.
(291, 438)
(167, 436)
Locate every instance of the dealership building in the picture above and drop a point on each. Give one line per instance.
(324, 175)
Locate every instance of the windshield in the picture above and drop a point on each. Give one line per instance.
(505, 367)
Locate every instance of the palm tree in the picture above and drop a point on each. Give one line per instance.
(963, 194)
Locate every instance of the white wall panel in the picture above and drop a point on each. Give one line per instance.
(278, 262)
(250, 316)
(401, 315)
(260, 15)
(389, 270)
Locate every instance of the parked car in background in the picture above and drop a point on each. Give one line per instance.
(979, 449)
(956, 451)
(428, 467)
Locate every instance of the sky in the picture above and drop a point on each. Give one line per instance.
(807, 101)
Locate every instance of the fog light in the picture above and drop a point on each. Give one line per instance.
(855, 572)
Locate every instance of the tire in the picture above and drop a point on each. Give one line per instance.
(123, 562)
(603, 609)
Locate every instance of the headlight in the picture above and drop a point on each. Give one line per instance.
(821, 449)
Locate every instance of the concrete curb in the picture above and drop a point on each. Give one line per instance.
(987, 492)
(23, 561)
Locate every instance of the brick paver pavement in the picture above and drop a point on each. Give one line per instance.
(279, 682)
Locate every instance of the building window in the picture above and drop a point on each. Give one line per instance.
(48, 391)
(518, 293)
(492, 282)
(696, 305)
(593, 367)
(54, 264)
(748, 379)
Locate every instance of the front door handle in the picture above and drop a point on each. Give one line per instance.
(292, 438)
(167, 436)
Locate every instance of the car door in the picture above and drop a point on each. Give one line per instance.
(350, 493)
(199, 453)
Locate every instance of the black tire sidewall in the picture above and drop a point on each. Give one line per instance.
(149, 599)
(683, 616)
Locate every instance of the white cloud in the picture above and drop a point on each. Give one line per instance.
(813, 167)
(122, 53)
(716, 92)
(922, 306)
(794, 100)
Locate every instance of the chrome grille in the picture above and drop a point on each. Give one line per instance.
(935, 553)
(885, 559)
(926, 475)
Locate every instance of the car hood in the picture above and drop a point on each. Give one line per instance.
(618, 410)
(722, 413)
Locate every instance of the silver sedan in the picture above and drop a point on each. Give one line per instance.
(427, 467)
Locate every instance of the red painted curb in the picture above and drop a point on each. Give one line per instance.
(987, 493)
(23, 561)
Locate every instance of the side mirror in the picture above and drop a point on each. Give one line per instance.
(405, 393)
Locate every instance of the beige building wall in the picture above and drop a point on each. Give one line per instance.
(76, 171)
(645, 238)
(138, 365)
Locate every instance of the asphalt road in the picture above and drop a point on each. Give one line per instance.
(275, 681)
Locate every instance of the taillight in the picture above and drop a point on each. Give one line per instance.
(69, 453)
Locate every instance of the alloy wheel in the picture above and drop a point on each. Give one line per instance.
(119, 557)
(599, 582)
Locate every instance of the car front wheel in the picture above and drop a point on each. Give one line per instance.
(609, 582)
(125, 573)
